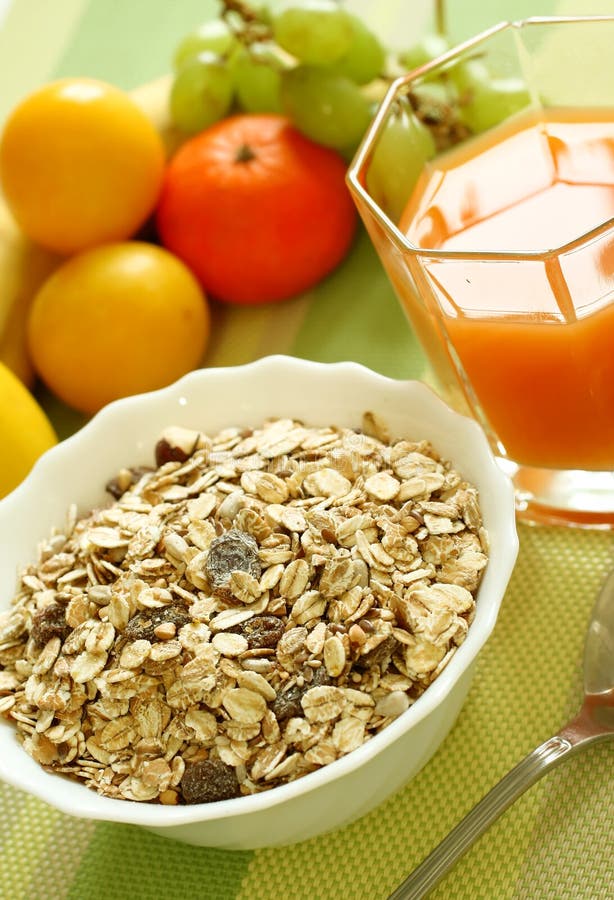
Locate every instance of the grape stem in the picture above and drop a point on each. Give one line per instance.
(440, 17)
(241, 8)
(245, 22)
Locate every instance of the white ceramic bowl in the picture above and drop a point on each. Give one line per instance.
(124, 433)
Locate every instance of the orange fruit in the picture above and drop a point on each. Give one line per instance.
(80, 164)
(117, 320)
(255, 209)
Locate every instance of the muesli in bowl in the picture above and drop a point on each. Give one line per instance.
(262, 632)
(254, 606)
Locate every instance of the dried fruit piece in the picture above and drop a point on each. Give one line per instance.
(287, 705)
(208, 781)
(124, 479)
(234, 551)
(50, 622)
(262, 631)
(143, 625)
(320, 676)
(379, 656)
(176, 445)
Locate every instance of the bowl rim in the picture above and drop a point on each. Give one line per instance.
(48, 786)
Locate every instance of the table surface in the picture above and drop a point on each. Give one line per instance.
(557, 841)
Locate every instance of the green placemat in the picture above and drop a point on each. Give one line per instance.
(557, 841)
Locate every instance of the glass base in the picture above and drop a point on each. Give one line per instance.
(572, 497)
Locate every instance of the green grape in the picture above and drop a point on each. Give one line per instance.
(317, 32)
(201, 93)
(257, 77)
(214, 36)
(328, 108)
(263, 14)
(468, 74)
(398, 160)
(429, 47)
(366, 57)
(488, 103)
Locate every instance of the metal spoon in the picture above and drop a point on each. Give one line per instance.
(593, 722)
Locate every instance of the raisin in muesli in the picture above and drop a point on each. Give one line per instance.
(233, 551)
(209, 780)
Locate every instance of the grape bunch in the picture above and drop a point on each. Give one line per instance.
(311, 60)
(320, 65)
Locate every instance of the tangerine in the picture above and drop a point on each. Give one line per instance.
(256, 210)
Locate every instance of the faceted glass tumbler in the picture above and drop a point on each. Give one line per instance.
(486, 183)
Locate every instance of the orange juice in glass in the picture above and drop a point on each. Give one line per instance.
(497, 231)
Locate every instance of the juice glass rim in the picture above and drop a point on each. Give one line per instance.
(362, 157)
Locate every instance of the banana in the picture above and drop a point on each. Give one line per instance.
(152, 98)
(23, 268)
(24, 265)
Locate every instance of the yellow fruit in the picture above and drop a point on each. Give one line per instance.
(80, 164)
(24, 265)
(117, 320)
(26, 432)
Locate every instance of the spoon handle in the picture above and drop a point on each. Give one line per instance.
(527, 772)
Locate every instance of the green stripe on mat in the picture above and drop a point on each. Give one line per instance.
(128, 862)
(58, 857)
(31, 38)
(242, 334)
(355, 315)
(115, 42)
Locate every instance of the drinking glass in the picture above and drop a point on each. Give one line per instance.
(486, 183)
